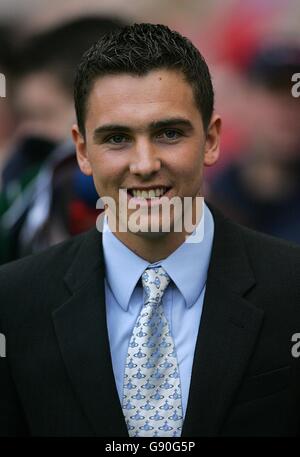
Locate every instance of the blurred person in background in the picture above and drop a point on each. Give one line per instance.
(6, 114)
(39, 181)
(261, 187)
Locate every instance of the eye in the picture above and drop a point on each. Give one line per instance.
(116, 139)
(170, 135)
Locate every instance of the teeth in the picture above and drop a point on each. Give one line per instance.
(152, 193)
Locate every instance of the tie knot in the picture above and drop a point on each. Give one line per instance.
(155, 281)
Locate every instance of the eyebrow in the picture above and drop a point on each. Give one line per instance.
(155, 125)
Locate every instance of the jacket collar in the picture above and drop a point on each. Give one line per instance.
(228, 331)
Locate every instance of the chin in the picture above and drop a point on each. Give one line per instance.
(146, 233)
(151, 235)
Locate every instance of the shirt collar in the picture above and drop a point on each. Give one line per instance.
(187, 266)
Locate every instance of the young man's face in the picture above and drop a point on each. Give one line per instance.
(146, 133)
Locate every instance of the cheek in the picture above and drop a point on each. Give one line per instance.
(107, 174)
(191, 173)
(189, 165)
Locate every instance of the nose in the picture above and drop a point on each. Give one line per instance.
(145, 160)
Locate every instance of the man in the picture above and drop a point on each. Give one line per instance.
(143, 332)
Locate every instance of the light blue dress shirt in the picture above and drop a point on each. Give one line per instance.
(183, 299)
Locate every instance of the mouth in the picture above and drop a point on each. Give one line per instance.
(148, 196)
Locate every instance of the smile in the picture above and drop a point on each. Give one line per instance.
(155, 192)
(147, 196)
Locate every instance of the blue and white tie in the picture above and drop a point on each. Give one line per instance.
(152, 393)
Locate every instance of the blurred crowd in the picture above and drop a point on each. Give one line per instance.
(44, 198)
(260, 185)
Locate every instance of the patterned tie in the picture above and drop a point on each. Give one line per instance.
(152, 393)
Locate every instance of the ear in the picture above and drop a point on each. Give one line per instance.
(212, 143)
(81, 151)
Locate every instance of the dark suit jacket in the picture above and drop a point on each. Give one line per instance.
(57, 378)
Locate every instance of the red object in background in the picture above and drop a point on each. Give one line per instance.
(81, 217)
(238, 42)
(238, 36)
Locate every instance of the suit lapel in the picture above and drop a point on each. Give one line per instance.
(81, 329)
(227, 335)
(228, 332)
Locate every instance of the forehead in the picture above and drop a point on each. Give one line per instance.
(140, 99)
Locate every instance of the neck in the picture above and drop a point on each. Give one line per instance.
(152, 249)
(157, 246)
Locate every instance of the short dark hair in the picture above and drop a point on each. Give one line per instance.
(138, 49)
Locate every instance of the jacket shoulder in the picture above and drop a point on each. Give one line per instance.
(272, 259)
(268, 246)
(52, 262)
